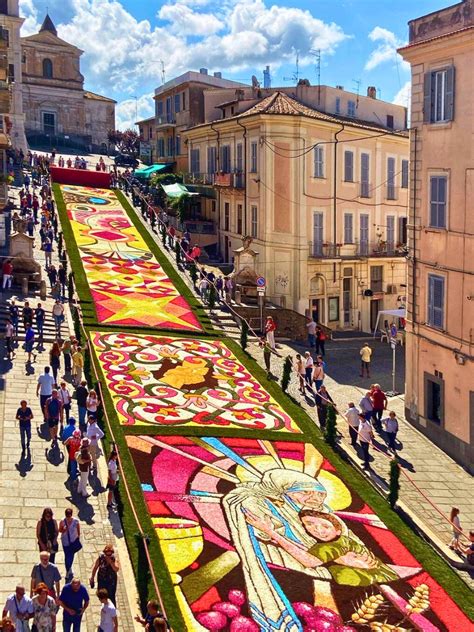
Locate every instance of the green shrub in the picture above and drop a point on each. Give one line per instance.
(244, 334)
(330, 431)
(394, 484)
(286, 377)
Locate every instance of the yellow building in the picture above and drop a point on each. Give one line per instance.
(440, 375)
(323, 195)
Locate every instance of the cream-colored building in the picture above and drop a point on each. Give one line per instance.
(322, 194)
(58, 111)
(440, 341)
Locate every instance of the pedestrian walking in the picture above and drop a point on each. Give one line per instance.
(47, 532)
(70, 531)
(270, 328)
(229, 289)
(320, 341)
(365, 434)
(108, 612)
(203, 288)
(19, 608)
(73, 445)
(107, 568)
(323, 402)
(366, 406)
(29, 342)
(52, 413)
(456, 525)
(84, 460)
(65, 397)
(318, 374)
(300, 372)
(152, 612)
(391, 428)
(44, 387)
(92, 404)
(67, 354)
(94, 434)
(379, 402)
(77, 366)
(112, 479)
(58, 316)
(24, 415)
(365, 359)
(220, 288)
(74, 599)
(46, 573)
(7, 271)
(55, 360)
(14, 314)
(311, 327)
(9, 333)
(27, 315)
(308, 368)
(468, 550)
(48, 250)
(353, 420)
(62, 278)
(40, 317)
(44, 610)
(267, 355)
(82, 393)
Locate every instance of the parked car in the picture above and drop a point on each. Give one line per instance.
(124, 160)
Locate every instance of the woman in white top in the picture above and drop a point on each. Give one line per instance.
(112, 481)
(65, 397)
(92, 404)
(70, 531)
(456, 524)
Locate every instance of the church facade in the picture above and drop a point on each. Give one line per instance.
(58, 111)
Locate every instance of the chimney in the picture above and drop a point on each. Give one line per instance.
(372, 92)
(218, 75)
(339, 87)
(203, 71)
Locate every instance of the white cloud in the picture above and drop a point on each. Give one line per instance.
(386, 50)
(185, 21)
(403, 96)
(130, 111)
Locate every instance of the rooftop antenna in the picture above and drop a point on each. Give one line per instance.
(163, 75)
(379, 90)
(296, 75)
(317, 58)
(357, 83)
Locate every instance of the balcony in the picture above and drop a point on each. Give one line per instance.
(165, 120)
(365, 190)
(232, 180)
(357, 250)
(199, 178)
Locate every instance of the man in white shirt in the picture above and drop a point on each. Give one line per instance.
(44, 387)
(19, 608)
(353, 419)
(94, 434)
(311, 327)
(366, 434)
(366, 406)
(108, 612)
(308, 368)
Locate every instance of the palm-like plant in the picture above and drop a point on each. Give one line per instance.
(180, 206)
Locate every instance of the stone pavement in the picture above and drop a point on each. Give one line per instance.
(27, 485)
(438, 476)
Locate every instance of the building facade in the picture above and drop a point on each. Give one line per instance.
(440, 339)
(324, 198)
(59, 112)
(147, 131)
(179, 104)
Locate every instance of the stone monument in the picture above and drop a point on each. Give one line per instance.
(245, 275)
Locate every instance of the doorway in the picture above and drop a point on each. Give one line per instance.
(317, 310)
(49, 122)
(346, 300)
(375, 307)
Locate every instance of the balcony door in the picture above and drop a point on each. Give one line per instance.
(364, 234)
(318, 234)
(49, 122)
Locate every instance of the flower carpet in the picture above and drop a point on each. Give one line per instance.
(128, 285)
(183, 381)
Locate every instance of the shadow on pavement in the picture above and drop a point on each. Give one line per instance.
(24, 465)
(54, 455)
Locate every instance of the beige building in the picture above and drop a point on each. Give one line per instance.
(322, 194)
(440, 343)
(147, 131)
(58, 111)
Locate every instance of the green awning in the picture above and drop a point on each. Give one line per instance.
(146, 172)
(176, 190)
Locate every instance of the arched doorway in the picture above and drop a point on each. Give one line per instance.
(317, 299)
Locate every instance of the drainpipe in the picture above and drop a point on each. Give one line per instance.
(244, 173)
(218, 152)
(334, 202)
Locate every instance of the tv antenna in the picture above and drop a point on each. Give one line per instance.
(357, 83)
(317, 58)
(163, 75)
(296, 75)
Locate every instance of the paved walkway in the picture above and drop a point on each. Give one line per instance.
(27, 485)
(438, 476)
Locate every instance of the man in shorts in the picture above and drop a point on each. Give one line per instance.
(52, 414)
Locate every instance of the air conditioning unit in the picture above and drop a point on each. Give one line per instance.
(391, 289)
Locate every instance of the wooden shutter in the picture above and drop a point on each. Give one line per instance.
(428, 100)
(348, 166)
(449, 95)
(348, 232)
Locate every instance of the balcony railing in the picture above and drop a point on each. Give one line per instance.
(320, 250)
(199, 178)
(365, 190)
(201, 227)
(165, 120)
(235, 180)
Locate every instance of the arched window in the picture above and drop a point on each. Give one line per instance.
(47, 68)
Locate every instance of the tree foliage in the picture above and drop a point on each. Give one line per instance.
(394, 484)
(180, 206)
(127, 142)
(330, 431)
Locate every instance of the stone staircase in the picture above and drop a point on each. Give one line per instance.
(49, 335)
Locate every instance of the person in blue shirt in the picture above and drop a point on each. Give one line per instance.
(74, 599)
(29, 341)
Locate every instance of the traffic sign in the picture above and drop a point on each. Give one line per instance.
(261, 282)
(393, 331)
(260, 290)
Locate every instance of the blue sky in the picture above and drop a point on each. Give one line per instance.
(125, 41)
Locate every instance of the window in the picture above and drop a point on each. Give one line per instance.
(253, 157)
(348, 228)
(402, 230)
(349, 166)
(239, 161)
(225, 159)
(4, 7)
(226, 216)
(438, 98)
(160, 146)
(171, 146)
(177, 102)
(211, 160)
(390, 121)
(376, 278)
(150, 133)
(169, 111)
(333, 306)
(390, 232)
(239, 219)
(405, 167)
(390, 178)
(47, 68)
(195, 166)
(351, 108)
(438, 197)
(318, 234)
(319, 162)
(178, 145)
(11, 73)
(254, 221)
(364, 234)
(364, 175)
(338, 105)
(49, 122)
(5, 36)
(159, 108)
(184, 100)
(436, 301)
(434, 398)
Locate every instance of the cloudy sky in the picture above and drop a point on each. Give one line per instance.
(125, 42)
